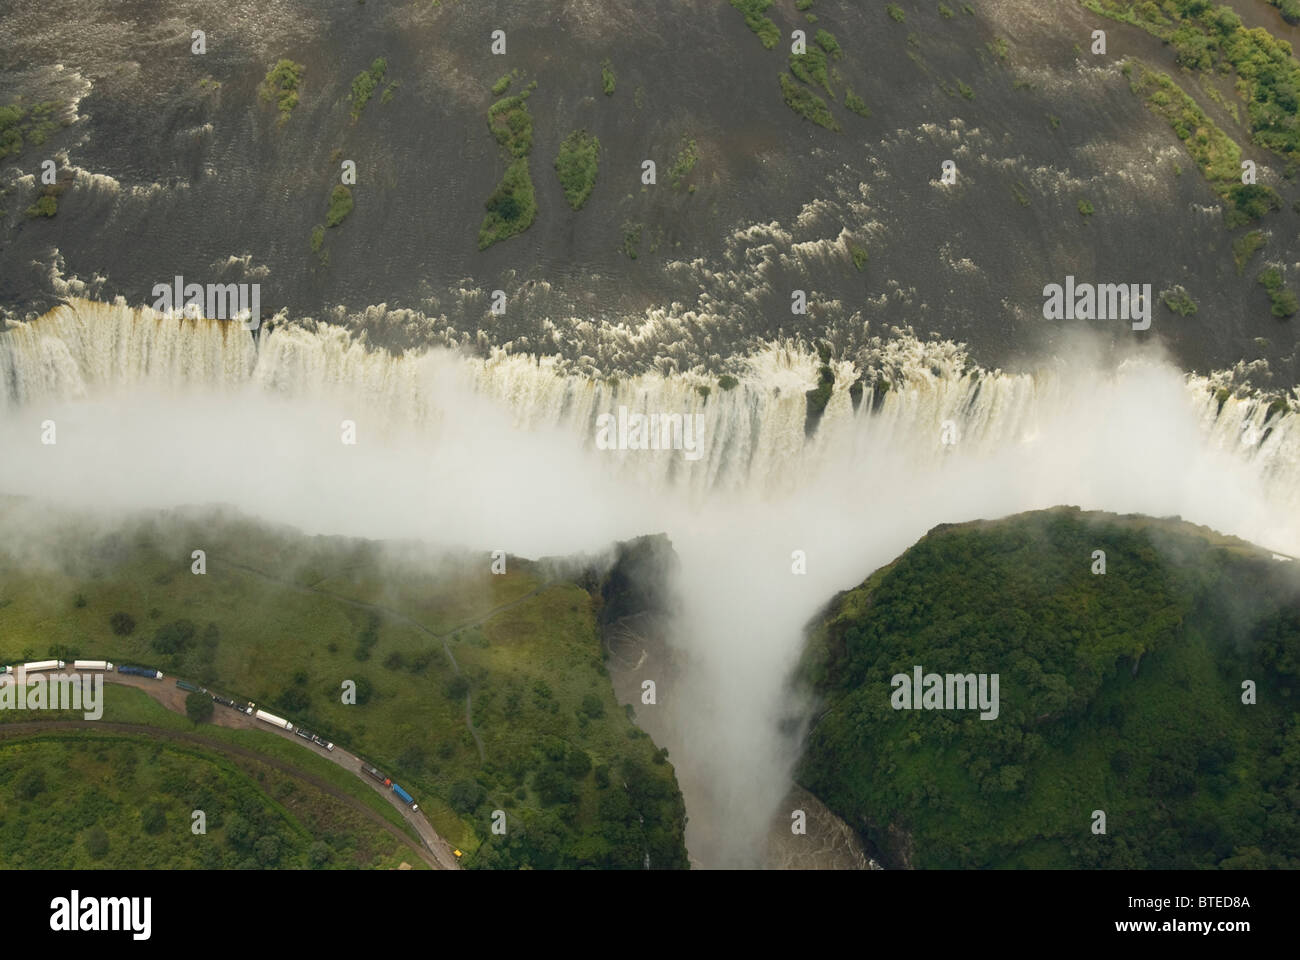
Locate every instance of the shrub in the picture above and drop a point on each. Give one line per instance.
(281, 82)
(577, 165)
(1245, 247)
(767, 31)
(340, 206)
(1085, 208)
(96, 843)
(152, 819)
(364, 84)
(895, 13)
(1179, 301)
(806, 103)
(456, 688)
(856, 104)
(607, 77)
(727, 382)
(198, 707)
(826, 40)
(317, 238)
(501, 86)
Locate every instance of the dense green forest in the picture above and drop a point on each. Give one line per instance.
(1120, 691)
(477, 692)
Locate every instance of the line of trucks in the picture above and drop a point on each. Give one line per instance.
(250, 709)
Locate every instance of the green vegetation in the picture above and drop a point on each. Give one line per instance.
(1054, 121)
(1290, 9)
(683, 164)
(998, 47)
(727, 382)
(1021, 193)
(1215, 153)
(965, 91)
(199, 708)
(806, 103)
(45, 206)
(763, 27)
(364, 84)
(945, 11)
(576, 165)
(1085, 208)
(340, 206)
(72, 797)
(1179, 301)
(802, 5)
(20, 125)
(632, 239)
(526, 649)
(1211, 38)
(317, 238)
(856, 104)
(895, 13)
(858, 255)
(810, 67)
(1283, 300)
(1119, 692)
(826, 40)
(281, 84)
(501, 86)
(389, 91)
(512, 207)
(607, 77)
(1245, 247)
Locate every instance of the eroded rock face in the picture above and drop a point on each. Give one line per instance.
(828, 844)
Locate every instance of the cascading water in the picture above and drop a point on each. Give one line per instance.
(500, 453)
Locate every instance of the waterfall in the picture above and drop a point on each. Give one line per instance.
(500, 452)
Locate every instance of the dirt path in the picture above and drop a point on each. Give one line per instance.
(219, 746)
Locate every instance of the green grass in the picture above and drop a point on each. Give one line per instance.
(389, 91)
(340, 206)
(945, 11)
(607, 78)
(856, 104)
(1085, 208)
(895, 13)
(767, 31)
(811, 68)
(20, 125)
(76, 801)
(317, 238)
(858, 255)
(802, 5)
(1179, 301)
(290, 616)
(501, 86)
(364, 85)
(1245, 247)
(1283, 300)
(826, 40)
(965, 90)
(45, 206)
(1118, 692)
(683, 164)
(281, 84)
(631, 246)
(806, 103)
(576, 165)
(512, 207)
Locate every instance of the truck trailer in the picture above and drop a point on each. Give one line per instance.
(91, 665)
(44, 665)
(375, 774)
(273, 720)
(140, 671)
(406, 797)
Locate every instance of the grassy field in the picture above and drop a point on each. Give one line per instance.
(91, 800)
(290, 621)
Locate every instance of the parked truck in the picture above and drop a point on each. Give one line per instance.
(406, 797)
(375, 774)
(36, 665)
(140, 671)
(186, 685)
(273, 720)
(91, 665)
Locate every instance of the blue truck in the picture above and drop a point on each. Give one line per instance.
(406, 797)
(140, 671)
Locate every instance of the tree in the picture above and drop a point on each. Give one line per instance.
(318, 854)
(152, 819)
(122, 623)
(96, 843)
(198, 707)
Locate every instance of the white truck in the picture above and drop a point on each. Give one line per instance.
(91, 665)
(273, 720)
